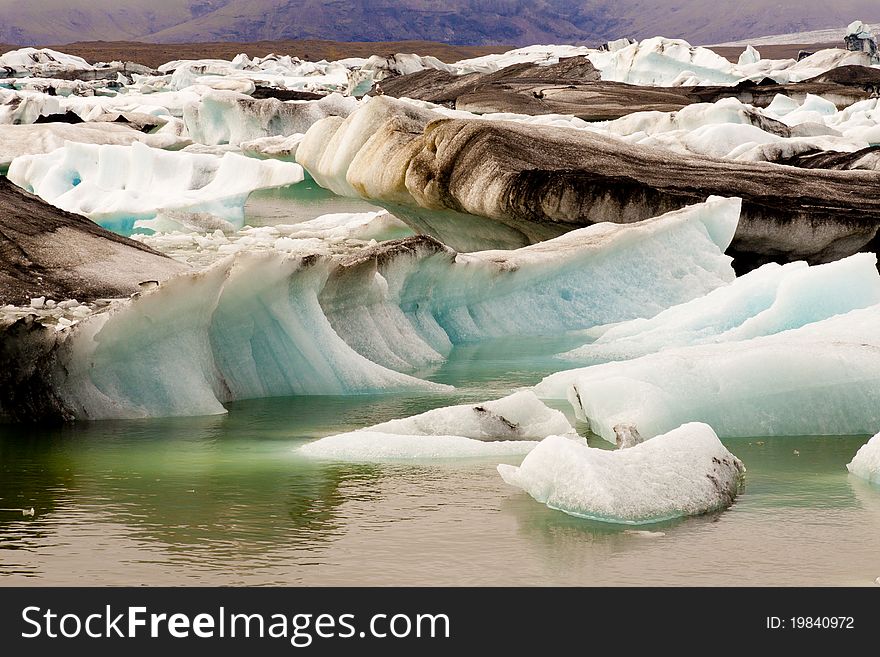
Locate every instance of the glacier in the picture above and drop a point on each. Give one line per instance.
(497, 428)
(765, 301)
(124, 187)
(866, 462)
(686, 471)
(820, 379)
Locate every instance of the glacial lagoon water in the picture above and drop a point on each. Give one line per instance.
(225, 500)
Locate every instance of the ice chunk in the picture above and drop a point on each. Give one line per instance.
(495, 428)
(820, 379)
(515, 417)
(664, 62)
(866, 462)
(372, 446)
(767, 300)
(16, 140)
(684, 472)
(117, 186)
(230, 118)
(749, 56)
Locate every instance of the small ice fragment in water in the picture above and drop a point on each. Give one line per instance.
(27, 512)
(38, 302)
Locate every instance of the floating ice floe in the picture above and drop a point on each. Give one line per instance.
(124, 187)
(507, 426)
(820, 379)
(866, 462)
(686, 471)
(765, 301)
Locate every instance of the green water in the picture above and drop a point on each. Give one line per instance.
(297, 203)
(225, 500)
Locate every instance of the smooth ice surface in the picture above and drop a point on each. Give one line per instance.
(820, 379)
(767, 300)
(866, 462)
(686, 471)
(120, 186)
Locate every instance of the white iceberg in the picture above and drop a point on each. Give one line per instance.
(122, 187)
(370, 446)
(820, 379)
(507, 426)
(866, 462)
(686, 471)
(17, 140)
(767, 300)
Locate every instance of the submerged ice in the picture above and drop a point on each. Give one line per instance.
(686, 471)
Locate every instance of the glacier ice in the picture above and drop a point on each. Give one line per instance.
(304, 317)
(519, 416)
(507, 426)
(686, 471)
(866, 462)
(220, 117)
(16, 140)
(820, 379)
(249, 326)
(767, 300)
(123, 187)
(374, 446)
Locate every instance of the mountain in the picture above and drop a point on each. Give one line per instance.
(478, 22)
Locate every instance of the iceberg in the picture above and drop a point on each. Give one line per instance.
(684, 472)
(502, 427)
(820, 379)
(520, 416)
(223, 117)
(765, 301)
(303, 316)
(866, 462)
(17, 140)
(664, 63)
(476, 184)
(121, 187)
(371, 446)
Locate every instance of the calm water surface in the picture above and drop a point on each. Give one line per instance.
(225, 500)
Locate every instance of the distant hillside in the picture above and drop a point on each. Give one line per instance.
(475, 22)
(155, 54)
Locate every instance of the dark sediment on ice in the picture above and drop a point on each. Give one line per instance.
(47, 252)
